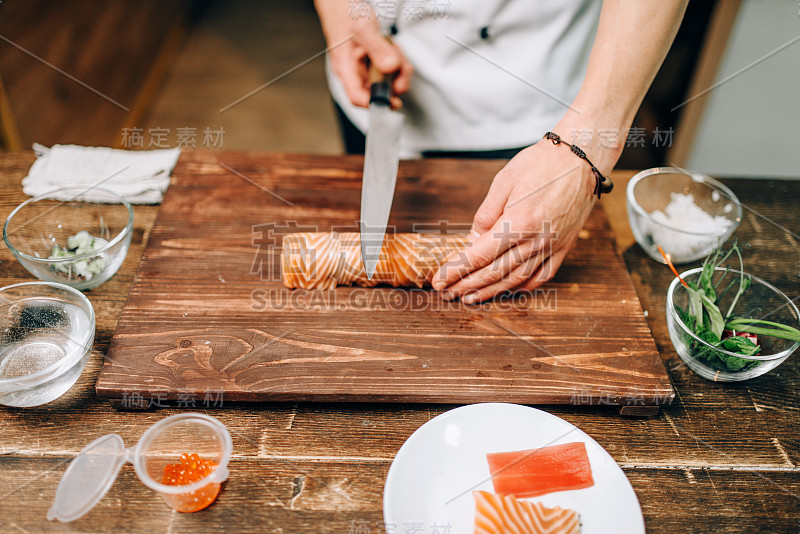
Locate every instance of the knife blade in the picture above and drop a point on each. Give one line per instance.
(380, 169)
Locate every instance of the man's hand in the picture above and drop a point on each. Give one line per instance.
(531, 217)
(354, 43)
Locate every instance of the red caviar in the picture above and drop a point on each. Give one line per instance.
(191, 469)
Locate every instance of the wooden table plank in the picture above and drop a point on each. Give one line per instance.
(306, 496)
(377, 431)
(721, 458)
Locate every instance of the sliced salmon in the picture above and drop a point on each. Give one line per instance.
(503, 514)
(538, 471)
(324, 260)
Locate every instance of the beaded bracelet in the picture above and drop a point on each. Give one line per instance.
(602, 184)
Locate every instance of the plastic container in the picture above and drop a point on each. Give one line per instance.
(92, 473)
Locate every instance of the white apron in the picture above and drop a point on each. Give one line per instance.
(489, 74)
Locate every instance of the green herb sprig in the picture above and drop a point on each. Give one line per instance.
(705, 319)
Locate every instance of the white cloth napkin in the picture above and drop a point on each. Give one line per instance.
(139, 176)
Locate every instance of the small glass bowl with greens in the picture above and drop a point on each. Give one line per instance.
(727, 325)
(75, 236)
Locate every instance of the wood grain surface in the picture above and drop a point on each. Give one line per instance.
(720, 458)
(80, 72)
(208, 310)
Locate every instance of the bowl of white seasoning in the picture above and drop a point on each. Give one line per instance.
(686, 213)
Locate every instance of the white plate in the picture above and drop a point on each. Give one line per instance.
(429, 486)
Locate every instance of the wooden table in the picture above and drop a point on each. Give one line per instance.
(721, 458)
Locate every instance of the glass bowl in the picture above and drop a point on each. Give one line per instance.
(46, 335)
(79, 242)
(686, 213)
(761, 301)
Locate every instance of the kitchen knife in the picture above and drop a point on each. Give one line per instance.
(380, 168)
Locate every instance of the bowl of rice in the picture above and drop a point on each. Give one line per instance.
(686, 213)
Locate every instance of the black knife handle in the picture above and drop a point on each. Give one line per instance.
(380, 88)
(380, 93)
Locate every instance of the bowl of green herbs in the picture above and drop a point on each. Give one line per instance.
(76, 236)
(728, 325)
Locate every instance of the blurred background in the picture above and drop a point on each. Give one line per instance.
(249, 75)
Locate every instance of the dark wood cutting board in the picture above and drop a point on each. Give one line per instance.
(207, 312)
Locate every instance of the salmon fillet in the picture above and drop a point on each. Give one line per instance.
(503, 514)
(538, 471)
(324, 260)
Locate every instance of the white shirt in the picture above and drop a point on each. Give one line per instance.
(473, 93)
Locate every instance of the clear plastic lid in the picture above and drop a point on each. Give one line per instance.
(88, 478)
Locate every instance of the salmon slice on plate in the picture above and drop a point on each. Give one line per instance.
(503, 514)
(534, 472)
